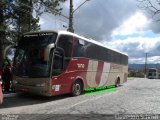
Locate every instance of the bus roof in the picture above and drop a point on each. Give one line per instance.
(42, 31)
(89, 40)
(75, 35)
(152, 68)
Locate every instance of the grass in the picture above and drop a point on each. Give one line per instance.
(100, 91)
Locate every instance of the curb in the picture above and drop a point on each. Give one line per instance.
(10, 95)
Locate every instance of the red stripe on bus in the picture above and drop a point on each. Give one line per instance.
(99, 71)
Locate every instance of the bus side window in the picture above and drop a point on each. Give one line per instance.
(65, 42)
(79, 48)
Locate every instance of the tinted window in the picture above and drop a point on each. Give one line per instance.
(62, 54)
(152, 70)
(30, 62)
(65, 42)
(79, 48)
(93, 51)
(39, 39)
(57, 64)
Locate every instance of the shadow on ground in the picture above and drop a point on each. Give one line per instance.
(28, 99)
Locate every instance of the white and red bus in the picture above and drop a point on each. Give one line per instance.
(153, 73)
(58, 62)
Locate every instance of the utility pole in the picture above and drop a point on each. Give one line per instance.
(71, 14)
(145, 70)
(30, 15)
(71, 17)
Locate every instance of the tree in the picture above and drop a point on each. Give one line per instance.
(51, 6)
(22, 19)
(151, 6)
(23, 13)
(1, 32)
(4, 12)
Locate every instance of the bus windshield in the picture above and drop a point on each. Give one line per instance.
(152, 70)
(29, 57)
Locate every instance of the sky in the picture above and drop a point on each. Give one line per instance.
(119, 24)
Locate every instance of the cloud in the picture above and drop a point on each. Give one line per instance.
(134, 25)
(95, 19)
(137, 47)
(136, 38)
(153, 16)
(118, 23)
(51, 22)
(153, 60)
(100, 17)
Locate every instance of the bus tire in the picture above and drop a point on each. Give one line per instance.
(77, 88)
(117, 84)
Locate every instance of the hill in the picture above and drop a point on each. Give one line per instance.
(142, 66)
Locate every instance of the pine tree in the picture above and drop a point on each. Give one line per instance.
(4, 12)
(23, 18)
(50, 6)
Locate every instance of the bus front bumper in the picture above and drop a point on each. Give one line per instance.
(38, 90)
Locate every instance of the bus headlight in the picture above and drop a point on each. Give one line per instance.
(40, 85)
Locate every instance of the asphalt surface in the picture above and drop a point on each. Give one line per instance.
(136, 96)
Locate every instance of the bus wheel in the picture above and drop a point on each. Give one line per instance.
(117, 82)
(77, 88)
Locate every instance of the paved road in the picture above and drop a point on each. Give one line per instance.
(137, 96)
